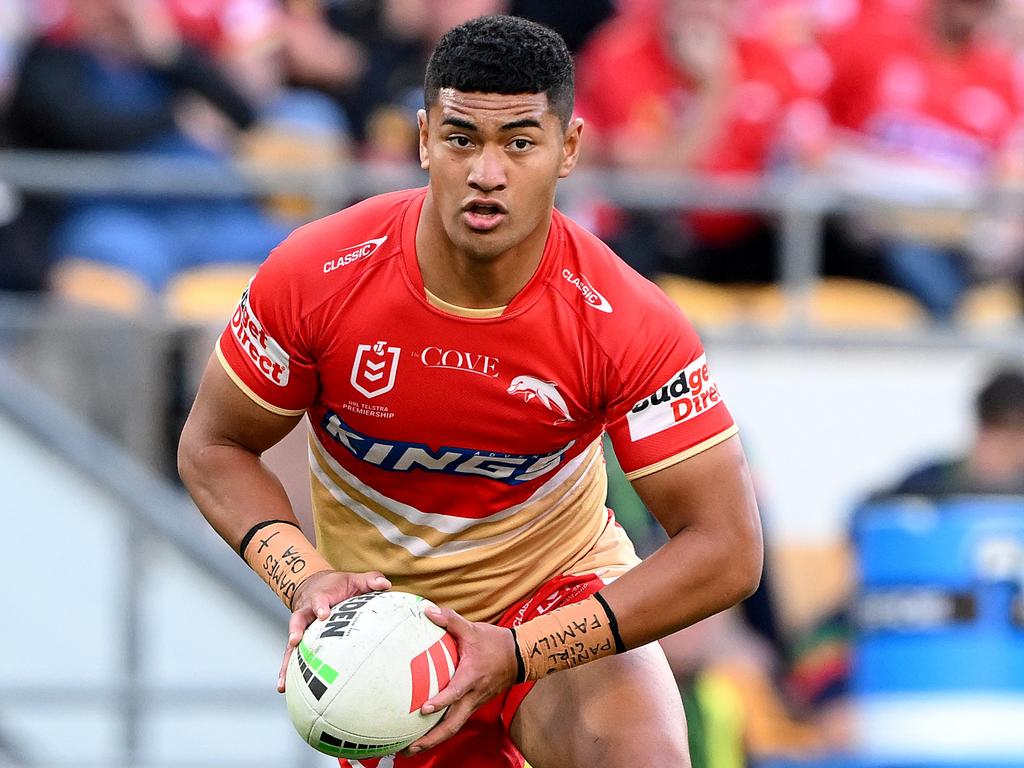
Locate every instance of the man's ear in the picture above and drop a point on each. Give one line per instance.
(421, 124)
(571, 147)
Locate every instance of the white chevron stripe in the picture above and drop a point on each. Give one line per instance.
(413, 544)
(448, 524)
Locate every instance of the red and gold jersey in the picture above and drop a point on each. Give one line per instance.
(459, 451)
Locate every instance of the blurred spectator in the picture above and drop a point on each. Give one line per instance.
(674, 87)
(574, 20)
(925, 113)
(21, 267)
(818, 677)
(397, 37)
(994, 463)
(115, 76)
(261, 46)
(14, 29)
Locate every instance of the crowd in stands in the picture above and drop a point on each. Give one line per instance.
(895, 101)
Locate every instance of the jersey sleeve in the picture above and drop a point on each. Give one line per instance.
(261, 348)
(667, 406)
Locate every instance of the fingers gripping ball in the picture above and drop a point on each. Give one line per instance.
(356, 681)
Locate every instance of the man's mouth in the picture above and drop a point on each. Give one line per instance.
(483, 216)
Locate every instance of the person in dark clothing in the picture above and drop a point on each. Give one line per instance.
(115, 79)
(574, 20)
(995, 462)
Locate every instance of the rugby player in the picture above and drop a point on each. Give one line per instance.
(459, 351)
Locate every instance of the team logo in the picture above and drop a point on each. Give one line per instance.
(262, 349)
(591, 295)
(546, 393)
(685, 396)
(354, 253)
(456, 360)
(375, 368)
(443, 657)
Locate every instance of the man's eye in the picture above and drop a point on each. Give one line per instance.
(521, 144)
(460, 141)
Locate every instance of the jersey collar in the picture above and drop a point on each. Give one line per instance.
(530, 293)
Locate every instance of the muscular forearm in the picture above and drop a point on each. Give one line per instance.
(695, 575)
(248, 507)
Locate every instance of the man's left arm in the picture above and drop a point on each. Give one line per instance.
(712, 561)
(714, 554)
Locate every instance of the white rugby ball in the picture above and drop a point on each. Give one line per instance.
(357, 680)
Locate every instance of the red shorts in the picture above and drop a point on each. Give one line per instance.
(483, 742)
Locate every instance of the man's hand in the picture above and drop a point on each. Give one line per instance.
(487, 666)
(317, 595)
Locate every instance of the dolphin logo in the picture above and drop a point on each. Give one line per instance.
(545, 391)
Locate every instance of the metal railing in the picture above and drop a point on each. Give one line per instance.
(798, 201)
(151, 508)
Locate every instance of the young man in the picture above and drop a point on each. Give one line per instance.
(459, 351)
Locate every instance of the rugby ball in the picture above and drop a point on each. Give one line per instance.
(357, 680)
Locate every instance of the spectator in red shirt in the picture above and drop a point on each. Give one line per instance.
(674, 87)
(924, 113)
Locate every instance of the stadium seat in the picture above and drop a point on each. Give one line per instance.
(273, 148)
(835, 303)
(843, 304)
(706, 305)
(990, 306)
(206, 295)
(99, 286)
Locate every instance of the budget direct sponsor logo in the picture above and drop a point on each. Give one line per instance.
(689, 393)
(591, 295)
(401, 456)
(458, 360)
(260, 346)
(354, 253)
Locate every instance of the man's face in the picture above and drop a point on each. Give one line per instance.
(494, 161)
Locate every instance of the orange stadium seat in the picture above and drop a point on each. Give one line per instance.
(706, 305)
(206, 295)
(834, 303)
(99, 286)
(837, 303)
(991, 306)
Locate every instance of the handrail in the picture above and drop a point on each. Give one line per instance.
(162, 509)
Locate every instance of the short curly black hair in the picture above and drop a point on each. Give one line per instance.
(503, 54)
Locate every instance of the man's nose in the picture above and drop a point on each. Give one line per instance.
(487, 173)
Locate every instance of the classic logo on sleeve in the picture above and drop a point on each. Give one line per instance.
(354, 253)
(591, 295)
(686, 395)
(261, 348)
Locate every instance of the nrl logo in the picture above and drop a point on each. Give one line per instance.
(375, 368)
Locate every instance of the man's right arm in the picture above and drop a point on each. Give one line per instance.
(219, 462)
(219, 457)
